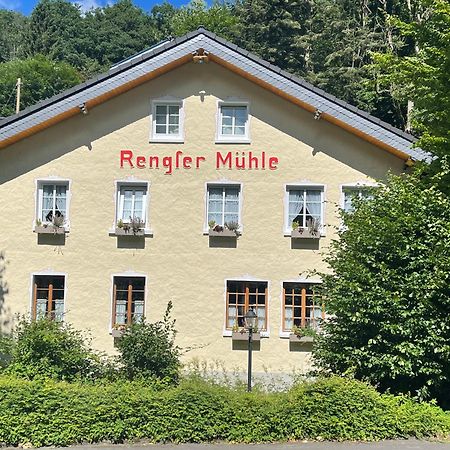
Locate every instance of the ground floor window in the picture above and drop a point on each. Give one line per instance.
(245, 295)
(302, 306)
(48, 297)
(128, 300)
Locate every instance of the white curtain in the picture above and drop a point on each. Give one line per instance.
(288, 318)
(121, 312)
(314, 204)
(47, 201)
(215, 205)
(231, 212)
(60, 200)
(296, 201)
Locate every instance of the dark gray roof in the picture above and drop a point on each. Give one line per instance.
(166, 52)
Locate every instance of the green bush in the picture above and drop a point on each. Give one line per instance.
(149, 350)
(48, 349)
(58, 413)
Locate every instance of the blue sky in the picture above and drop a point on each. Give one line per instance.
(26, 6)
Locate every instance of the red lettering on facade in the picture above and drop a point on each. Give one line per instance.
(273, 163)
(126, 155)
(220, 160)
(140, 162)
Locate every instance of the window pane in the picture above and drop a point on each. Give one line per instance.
(160, 129)
(174, 109)
(227, 130)
(161, 110)
(239, 131)
(174, 129)
(174, 120)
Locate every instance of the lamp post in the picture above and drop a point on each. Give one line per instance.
(250, 323)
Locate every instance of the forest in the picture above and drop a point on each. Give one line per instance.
(331, 43)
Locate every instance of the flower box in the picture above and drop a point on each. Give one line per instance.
(224, 233)
(301, 339)
(117, 332)
(243, 336)
(130, 232)
(49, 229)
(304, 233)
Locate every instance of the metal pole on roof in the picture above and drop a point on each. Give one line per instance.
(18, 84)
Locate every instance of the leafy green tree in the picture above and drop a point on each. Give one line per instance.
(423, 77)
(41, 79)
(218, 18)
(13, 27)
(118, 31)
(149, 350)
(48, 349)
(57, 30)
(388, 292)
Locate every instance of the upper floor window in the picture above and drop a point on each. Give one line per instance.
(302, 306)
(167, 121)
(223, 204)
(304, 206)
(245, 295)
(52, 202)
(128, 300)
(233, 123)
(48, 297)
(350, 193)
(132, 203)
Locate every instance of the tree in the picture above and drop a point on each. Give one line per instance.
(423, 77)
(13, 26)
(388, 292)
(149, 350)
(41, 79)
(218, 18)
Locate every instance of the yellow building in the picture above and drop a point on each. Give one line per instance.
(177, 176)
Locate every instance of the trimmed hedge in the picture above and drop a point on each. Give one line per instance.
(56, 413)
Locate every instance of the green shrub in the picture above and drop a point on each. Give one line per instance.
(6, 350)
(45, 348)
(149, 350)
(43, 412)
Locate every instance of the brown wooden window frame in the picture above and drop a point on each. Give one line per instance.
(246, 304)
(129, 301)
(303, 318)
(50, 312)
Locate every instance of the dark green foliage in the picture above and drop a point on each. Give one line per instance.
(389, 291)
(12, 31)
(149, 350)
(41, 79)
(61, 414)
(48, 349)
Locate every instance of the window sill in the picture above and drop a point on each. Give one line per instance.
(232, 141)
(305, 235)
(50, 229)
(224, 233)
(167, 140)
(146, 232)
(229, 333)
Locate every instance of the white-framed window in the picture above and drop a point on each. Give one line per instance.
(304, 205)
(52, 202)
(349, 193)
(223, 203)
(233, 122)
(167, 121)
(132, 202)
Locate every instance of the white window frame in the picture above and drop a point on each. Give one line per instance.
(285, 334)
(39, 198)
(358, 186)
(167, 138)
(246, 278)
(130, 274)
(48, 273)
(223, 184)
(119, 184)
(303, 186)
(232, 139)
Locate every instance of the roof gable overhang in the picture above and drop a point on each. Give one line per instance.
(169, 55)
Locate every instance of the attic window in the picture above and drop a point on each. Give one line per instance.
(167, 121)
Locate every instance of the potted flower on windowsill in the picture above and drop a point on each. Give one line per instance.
(229, 229)
(56, 226)
(135, 227)
(241, 334)
(311, 231)
(303, 334)
(118, 330)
